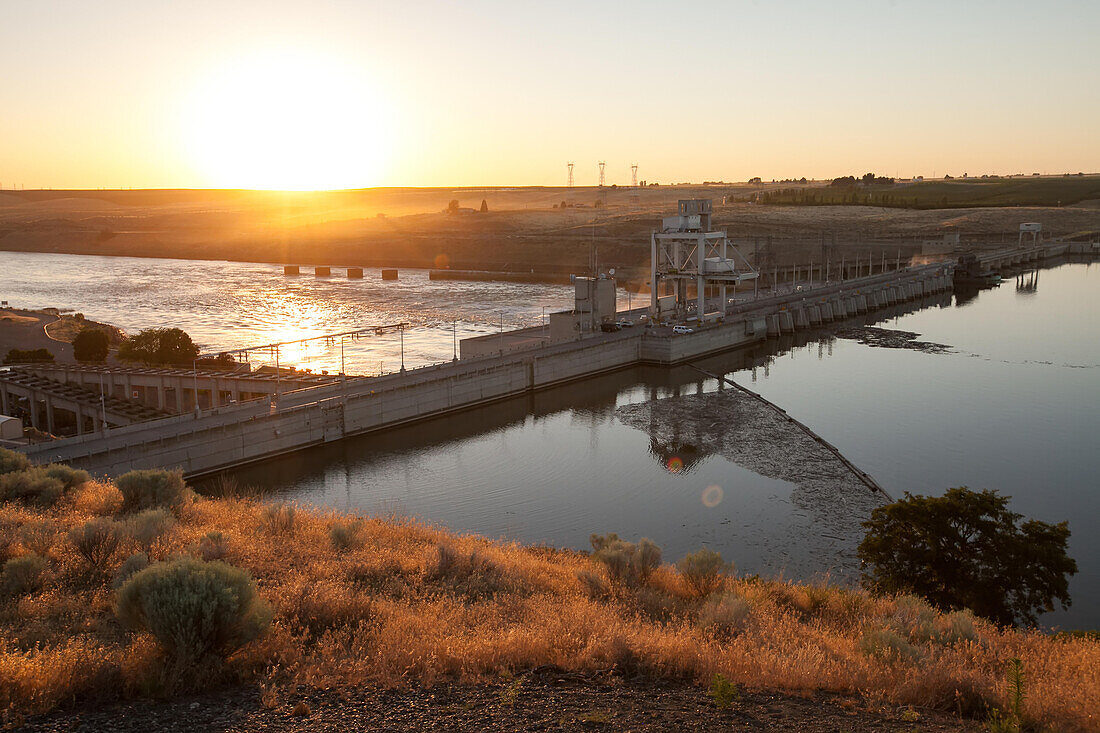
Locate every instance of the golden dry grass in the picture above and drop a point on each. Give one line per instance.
(409, 602)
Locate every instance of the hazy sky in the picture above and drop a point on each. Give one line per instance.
(348, 94)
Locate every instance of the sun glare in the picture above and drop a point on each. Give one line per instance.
(287, 122)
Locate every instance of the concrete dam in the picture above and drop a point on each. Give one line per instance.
(229, 433)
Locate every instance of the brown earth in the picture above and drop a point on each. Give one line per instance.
(521, 231)
(542, 700)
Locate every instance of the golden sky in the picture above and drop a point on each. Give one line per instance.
(353, 94)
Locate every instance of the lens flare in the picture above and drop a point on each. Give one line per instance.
(712, 496)
(675, 465)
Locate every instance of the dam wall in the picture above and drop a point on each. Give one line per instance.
(236, 434)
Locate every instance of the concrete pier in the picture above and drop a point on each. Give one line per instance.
(322, 271)
(290, 270)
(389, 274)
(355, 273)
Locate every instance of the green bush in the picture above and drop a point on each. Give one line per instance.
(69, 477)
(150, 489)
(133, 564)
(22, 575)
(195, 609)
(704, 571)
(627, 563)
(145, 527)
(96, 541)
(34, 485)
(345, 535)
(28, 356)
(13, 461)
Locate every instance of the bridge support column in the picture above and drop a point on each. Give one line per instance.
(32, 403)
(160, 394)
(79, 419)
(179, 398)
(4, 400)
(50, 424)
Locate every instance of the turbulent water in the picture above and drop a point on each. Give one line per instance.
(229, 305)
(1008, 399)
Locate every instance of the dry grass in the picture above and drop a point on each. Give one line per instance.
(408, 602)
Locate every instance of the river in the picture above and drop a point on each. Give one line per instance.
(1012, 404)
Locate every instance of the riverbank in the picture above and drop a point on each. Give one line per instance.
(371, 603)
(48, 328)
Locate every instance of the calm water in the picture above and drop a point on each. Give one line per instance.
(1014, 406)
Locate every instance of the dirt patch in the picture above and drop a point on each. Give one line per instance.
(543, 699)
(888, 338)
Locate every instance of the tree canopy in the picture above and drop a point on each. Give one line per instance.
(966, 549)
(159, 346)
(91, 344)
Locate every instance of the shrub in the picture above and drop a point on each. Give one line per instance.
(38, 536)
(133, 564)
(723, 692)
(627, 563)
(194, 609)
(13, 461)
(96, 541)
(151, 488)
(345, 535)
(470, 574)
(704, 571)
(593, 584)
(213, 546)
(887, 644)
(99, 498)
(69, 477)
(33, 485)
(278, 517)
(145, 527)
(28, 356)
(725, 615)
(22, 575)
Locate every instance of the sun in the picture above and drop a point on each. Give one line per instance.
(287, 121)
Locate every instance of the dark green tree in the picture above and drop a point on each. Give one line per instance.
(966, 549)
(159, 346)
(484, 206)
(91, 344)
(28, 356)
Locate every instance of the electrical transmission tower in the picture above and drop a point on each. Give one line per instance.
(601, 164)
(634, 175)
(570, 167)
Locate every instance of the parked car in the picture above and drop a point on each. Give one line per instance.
(609, 327)
(625, 323)
(683, 329)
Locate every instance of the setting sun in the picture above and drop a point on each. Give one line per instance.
(286, 121)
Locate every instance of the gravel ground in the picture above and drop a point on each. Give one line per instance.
(544, 699)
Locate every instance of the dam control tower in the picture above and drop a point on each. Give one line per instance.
(687, 250)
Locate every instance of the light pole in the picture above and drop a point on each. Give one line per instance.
(454, 333)
(401, 329)
(502, 332)
(195, 375)
(544, 323)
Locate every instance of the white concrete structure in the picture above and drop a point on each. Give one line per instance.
(687, 250)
